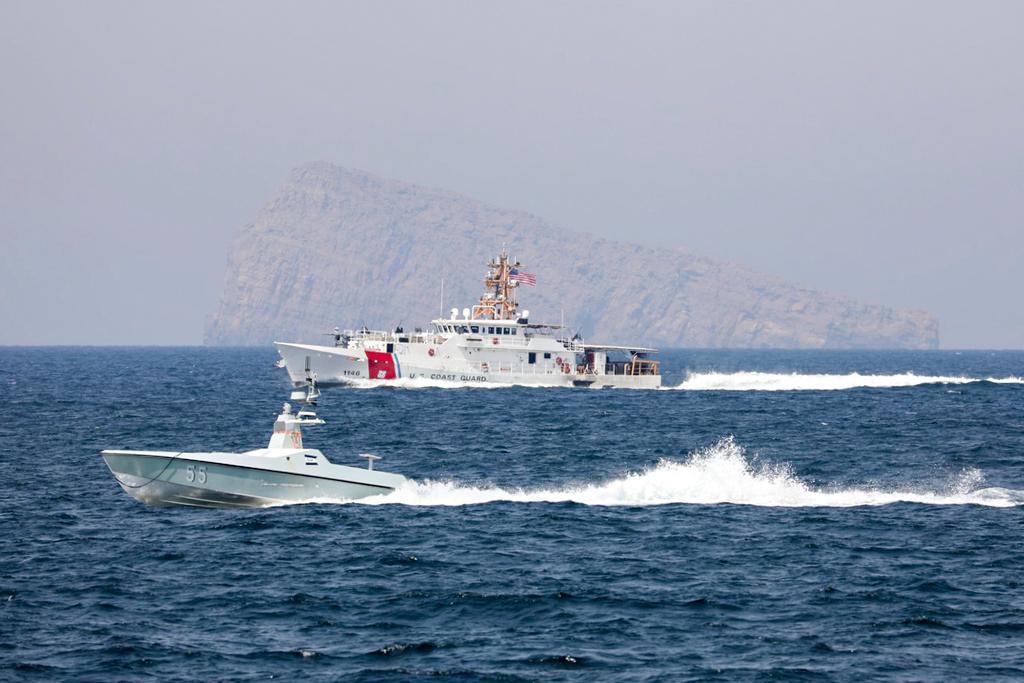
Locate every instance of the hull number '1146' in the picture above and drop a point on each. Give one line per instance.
(196, 474)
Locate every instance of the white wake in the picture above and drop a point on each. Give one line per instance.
(720, 381)
(721, 473)
(770, 381)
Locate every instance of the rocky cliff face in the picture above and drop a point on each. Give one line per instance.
(346, 248)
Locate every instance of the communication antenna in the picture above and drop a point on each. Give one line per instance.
(440, 310)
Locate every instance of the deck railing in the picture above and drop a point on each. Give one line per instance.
(354, 338)
(518, 368)
(636, 366)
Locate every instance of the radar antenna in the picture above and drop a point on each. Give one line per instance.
(498, 301)
(307, 414)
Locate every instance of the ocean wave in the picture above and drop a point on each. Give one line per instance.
(770, 381)
(720, 473)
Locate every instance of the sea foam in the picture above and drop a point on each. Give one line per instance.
(720, 473)
(721, 381)
(769, 381)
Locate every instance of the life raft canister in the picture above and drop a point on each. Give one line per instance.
(494, 341)
(430, 352)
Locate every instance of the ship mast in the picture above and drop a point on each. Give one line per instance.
(499, 299)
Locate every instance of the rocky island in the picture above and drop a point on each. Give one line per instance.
(340, 247)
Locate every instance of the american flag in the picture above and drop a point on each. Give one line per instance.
(517, 275)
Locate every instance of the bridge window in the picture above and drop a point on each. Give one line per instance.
(474, 328)
(505, 330)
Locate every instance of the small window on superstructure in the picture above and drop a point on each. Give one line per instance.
(547, 355)
(474, 329)
(504, 330)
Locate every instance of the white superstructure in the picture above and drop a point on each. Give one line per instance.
(490, 343)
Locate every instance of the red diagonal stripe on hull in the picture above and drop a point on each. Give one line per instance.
(380, 365)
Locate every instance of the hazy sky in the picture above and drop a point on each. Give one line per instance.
(874, 149)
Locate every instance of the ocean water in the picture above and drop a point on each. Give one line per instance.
(768, 516)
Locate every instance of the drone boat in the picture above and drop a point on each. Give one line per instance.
(283, 472)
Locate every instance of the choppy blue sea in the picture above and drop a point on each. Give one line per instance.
(770, 516)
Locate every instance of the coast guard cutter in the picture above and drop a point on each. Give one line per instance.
(492, 342)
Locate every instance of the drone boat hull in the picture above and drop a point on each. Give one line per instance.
(230, 480)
